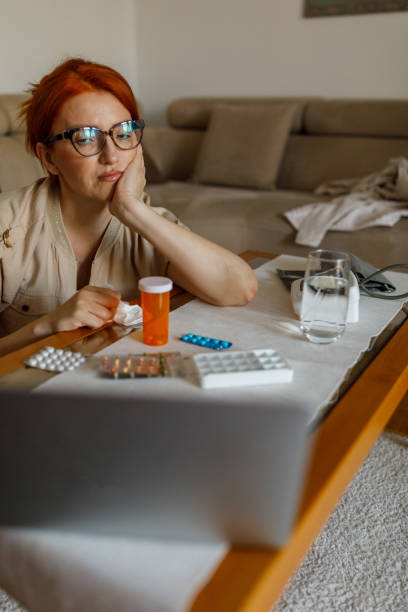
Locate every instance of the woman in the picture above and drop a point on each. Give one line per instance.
(78, 241)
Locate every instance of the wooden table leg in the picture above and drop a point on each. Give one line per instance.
(398, 423)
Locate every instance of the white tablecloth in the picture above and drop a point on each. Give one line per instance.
(267, 322)
(55, 572)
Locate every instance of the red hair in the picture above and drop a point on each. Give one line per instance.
(67, 80)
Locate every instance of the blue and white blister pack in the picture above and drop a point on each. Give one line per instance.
(206, 342)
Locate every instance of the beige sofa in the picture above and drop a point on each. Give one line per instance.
(17, 167)
(329, 139)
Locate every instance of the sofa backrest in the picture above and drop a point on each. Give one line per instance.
(17, 167)
(330, 139)
(171, 152)
(195, 113)
(344, 139)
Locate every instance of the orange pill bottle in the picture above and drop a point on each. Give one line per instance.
(155, 301)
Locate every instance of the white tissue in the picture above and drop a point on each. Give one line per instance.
(129, 315)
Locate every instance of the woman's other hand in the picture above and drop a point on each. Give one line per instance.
(129, 189)
(89, 307)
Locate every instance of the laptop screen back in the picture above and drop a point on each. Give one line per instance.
(191, 470)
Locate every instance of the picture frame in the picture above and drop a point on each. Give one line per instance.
(332, 8)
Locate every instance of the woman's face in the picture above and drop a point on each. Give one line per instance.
(92, 177)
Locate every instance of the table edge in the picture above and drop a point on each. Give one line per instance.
(252, 580)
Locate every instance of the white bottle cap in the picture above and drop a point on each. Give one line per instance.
(155, 284)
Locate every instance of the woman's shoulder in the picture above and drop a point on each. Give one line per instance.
(22, 208)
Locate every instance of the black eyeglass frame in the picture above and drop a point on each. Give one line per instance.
(68, 134)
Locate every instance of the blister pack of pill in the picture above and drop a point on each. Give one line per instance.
(240, 368)
(151, 365)
(213, 343)
(55, 360)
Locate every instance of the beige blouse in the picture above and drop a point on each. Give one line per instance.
(38, 269)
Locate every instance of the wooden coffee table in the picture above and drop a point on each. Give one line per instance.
(251, 580)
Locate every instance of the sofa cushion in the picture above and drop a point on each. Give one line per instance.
(241, 219)
(231, 216)
(170, 154)
(243, 146)
(17, 167)
(9, 109)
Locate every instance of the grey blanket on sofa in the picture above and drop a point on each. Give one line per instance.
(378, 199)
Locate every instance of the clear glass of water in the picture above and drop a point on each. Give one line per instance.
(325, 296)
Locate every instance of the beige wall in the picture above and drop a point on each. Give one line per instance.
(172, 48)
(37, 34)
(265, 47)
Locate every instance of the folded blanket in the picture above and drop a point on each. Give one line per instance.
(378, 199)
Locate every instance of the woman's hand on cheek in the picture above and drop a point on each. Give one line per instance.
(129, 187)
(89, 307)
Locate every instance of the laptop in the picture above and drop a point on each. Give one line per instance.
(186, 470)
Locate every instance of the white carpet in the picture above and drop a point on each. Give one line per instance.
(359, 562)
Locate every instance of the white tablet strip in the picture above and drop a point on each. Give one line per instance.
(241, 368)
(55, 360)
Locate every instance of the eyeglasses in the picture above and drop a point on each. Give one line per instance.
(90, 140)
